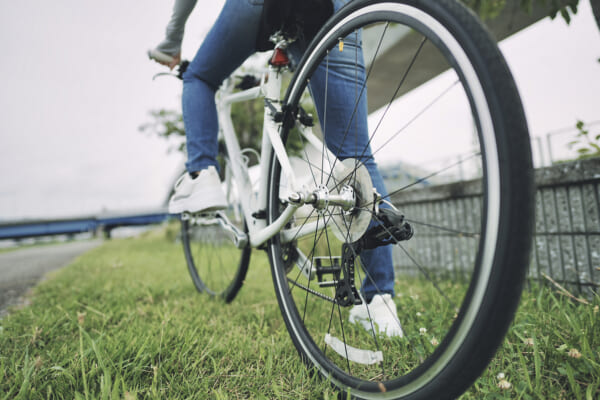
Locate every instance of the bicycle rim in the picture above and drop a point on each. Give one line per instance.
(456, 163)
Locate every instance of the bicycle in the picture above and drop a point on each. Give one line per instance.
(314, 214)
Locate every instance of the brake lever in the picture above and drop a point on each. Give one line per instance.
(179, 74)
(159, 56)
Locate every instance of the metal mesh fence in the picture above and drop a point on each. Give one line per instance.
(566, 245)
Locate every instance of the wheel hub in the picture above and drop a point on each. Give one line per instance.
(347, 199)
(351, 224)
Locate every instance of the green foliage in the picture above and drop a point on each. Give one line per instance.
(566, 8)
(586, 144)
(486, 9)
(489, 9)
(167, 124)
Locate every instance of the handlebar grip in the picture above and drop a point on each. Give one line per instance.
(159, 56)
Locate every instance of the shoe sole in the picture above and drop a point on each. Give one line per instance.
(207, 203)
(366, 324)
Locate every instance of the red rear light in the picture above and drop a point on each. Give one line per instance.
(279, 58)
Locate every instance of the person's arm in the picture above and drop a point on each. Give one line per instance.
(171, 45)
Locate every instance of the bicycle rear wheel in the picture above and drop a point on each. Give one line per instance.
(455, 158)
(216, 264)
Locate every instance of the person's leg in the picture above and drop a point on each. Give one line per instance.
(229, 43)
(346, 134)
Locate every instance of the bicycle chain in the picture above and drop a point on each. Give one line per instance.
(312, 291)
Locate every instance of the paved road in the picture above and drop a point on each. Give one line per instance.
(22, 269)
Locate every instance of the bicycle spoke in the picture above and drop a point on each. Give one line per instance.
(389, 103)
(372, 281)
(458, 233)
(395, 95)
(412, 120)
(323, 150)
(306, 298)
(418, 265)
(427, 276)
(362, 89)
(399, 86)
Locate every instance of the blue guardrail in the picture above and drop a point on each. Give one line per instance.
(36, 228)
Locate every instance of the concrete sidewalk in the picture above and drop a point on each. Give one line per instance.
(23, 269)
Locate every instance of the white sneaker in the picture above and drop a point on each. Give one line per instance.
(204, 193)
(382, 312)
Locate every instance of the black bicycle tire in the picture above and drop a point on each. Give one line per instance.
(231, 291)
(511, 255)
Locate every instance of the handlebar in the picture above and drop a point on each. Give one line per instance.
(157, 55)
(248, 79)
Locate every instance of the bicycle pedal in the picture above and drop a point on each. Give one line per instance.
(392, 229)
(328, 266)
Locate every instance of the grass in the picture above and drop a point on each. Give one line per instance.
(124, 321)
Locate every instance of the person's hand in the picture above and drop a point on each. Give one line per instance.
(175, 62)
(165, 59)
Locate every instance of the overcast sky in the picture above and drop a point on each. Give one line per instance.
(76, 85)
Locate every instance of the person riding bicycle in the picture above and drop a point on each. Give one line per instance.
(231, 40)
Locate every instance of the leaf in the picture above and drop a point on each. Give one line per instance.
(589, 392)
(562, 347)
(566, 16)
(574, 8)
(562, 371)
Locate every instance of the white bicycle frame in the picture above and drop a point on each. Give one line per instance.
(258, 229)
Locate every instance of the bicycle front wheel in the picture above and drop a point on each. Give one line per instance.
(453, 157)
(216, 264)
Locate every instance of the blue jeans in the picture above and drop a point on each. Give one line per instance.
(228, 44)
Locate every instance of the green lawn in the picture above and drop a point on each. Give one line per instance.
(124, 321)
